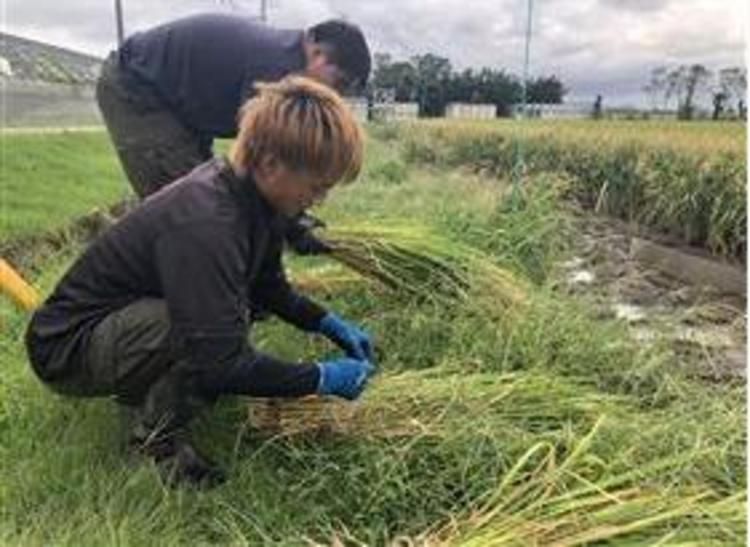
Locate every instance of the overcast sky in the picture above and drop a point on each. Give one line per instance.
(594, 46)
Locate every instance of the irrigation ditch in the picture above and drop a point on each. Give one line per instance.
(704, 323)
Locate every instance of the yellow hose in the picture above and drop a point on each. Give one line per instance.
(14, 286)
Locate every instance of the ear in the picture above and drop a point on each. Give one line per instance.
(318, 56)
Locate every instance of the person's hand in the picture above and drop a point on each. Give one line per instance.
(344, 377)
(300, 236)
(349, 337)
(305, 243)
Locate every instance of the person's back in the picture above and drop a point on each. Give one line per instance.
(204, 66)
(169, 91)
(122, 266)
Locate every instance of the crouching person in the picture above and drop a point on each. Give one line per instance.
(155, 313)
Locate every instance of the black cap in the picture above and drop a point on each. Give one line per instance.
(348, 48)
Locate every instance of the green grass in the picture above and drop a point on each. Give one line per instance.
(543, 425)
(47, 181)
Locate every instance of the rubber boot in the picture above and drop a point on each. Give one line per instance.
(160, 431)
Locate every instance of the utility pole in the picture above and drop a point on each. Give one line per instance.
(264, 10)
(526, 58)
(118, 18)
(519, 168)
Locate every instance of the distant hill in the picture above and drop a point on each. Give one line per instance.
(24, 59)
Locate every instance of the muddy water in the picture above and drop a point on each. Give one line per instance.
(707, 330)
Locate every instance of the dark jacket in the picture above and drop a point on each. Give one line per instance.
(208, 244)
(204, 66)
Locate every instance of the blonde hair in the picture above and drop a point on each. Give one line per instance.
(303, 124)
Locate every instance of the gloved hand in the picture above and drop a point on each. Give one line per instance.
(300, 238)
(306, 244)
(344, 377)
(349, 337)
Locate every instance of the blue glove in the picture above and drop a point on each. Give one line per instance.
(349, 337)
(344, 377)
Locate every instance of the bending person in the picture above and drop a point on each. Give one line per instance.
(155, 313)
(168, 92)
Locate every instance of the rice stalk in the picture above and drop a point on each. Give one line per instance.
(541, 502)
(413, 260)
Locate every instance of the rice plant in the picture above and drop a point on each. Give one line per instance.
(543, 501)
(687, 181)
(412, 259)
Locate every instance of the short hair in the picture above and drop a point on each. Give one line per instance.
(303, 124)
(348, 48)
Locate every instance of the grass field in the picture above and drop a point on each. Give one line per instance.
(47, 181)
(536, 425)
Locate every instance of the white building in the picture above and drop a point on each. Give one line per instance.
(5, 68)
(482, 111)
(359, 107)
(565, 110)
(395, 111)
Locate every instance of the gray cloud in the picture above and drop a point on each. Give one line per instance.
(607, 45)
(637, 5)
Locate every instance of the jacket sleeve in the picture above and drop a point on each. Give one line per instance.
(202, 275)
(272, 292)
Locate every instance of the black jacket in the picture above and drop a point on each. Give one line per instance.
(208, 244)
(204, 66)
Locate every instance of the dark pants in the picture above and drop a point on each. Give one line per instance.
(127, 352)
(130, 356)
(154, 146)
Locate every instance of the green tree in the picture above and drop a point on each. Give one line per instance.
(430, 80)
(401, 77)
(545, 90)
(486, 86)
(433, 75)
